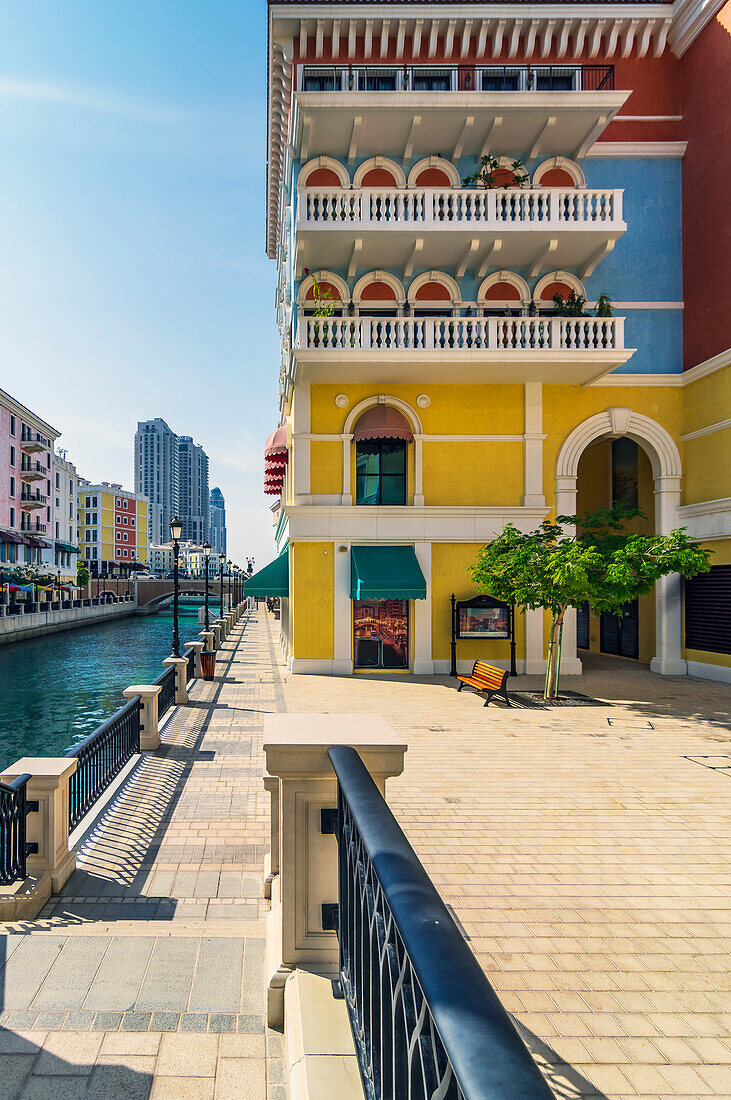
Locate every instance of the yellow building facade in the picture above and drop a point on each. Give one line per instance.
(433, 389)
(113, 529)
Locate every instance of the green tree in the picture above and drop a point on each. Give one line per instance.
(596, 561)
(82, 575)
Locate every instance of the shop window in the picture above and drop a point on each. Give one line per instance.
(381, 467)
(381, 633)
(708, 611)
(625, 472)
(618, 633)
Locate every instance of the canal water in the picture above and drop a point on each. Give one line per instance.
(55, 690)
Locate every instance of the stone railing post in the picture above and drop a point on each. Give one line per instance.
(303, 874)
(53, 864)
(218, 632)
(149, 714)
(208, 638)
(180, 664)
(197, 646)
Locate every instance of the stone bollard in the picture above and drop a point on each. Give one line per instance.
(208, 638)
(180, 664)
(149, 714)
(197, 646)
(218, 633)
(303, 874)
(230, 621)
(53, 864)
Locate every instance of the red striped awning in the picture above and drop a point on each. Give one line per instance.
(276, 444)
(382, 422)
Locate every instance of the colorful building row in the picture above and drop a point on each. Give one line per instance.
(469, 343)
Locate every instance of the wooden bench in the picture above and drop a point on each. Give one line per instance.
(487, 678)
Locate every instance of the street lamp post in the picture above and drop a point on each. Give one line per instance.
(176, 530)
(206, 556)
(221, 563)
(230, 575)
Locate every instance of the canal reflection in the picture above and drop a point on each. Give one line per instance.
(55, 690)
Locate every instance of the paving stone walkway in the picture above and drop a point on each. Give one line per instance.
(584, 852)
(145, 978)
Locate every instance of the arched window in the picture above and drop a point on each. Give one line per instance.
(322, 177)
(323, 286)
(434, 172)
(560, 283)
(434, 294)
(558, 172)
(503, 293)
(324, 172)
(378, 294)
(381, 435)
(379, 172)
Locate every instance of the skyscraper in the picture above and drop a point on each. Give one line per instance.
(193, 481)
(157, 474)
(217, 510)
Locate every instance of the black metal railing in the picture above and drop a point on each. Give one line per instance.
(166, 698)
(456, 78)
(189, 652)
(14, 848)
(101, 756)
(426, 1022)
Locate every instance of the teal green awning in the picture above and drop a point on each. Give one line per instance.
(385, 573)
(67, 546)
(272, 580)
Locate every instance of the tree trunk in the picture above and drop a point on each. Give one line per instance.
(554, 654)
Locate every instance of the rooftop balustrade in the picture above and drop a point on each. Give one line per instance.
(455, 78)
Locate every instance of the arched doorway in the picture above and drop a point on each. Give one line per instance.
(664, 460)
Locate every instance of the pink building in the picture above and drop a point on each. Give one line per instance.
(26, 480)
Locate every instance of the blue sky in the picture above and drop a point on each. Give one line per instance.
(133, 277)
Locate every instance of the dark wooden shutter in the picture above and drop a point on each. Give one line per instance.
(708, 610)
(582, 626)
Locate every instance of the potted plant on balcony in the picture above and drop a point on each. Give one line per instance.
(492, 174)
(324, 305)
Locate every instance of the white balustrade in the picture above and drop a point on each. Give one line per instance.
(548, 207)
(472, 333)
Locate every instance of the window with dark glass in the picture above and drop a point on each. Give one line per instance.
(380, 466)
(625, 472)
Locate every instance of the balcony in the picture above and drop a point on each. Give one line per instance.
(583, 223)
(32, 526)
(32, 471)
(553, 349)
(31, 441)
(29, 500)
(412, 111)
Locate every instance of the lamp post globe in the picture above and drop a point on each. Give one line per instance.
(176, 530)
(206, 556)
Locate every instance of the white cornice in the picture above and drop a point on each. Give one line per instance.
(639, 380)
(708, 430)
(708, 366)
(638, 149)
(30, 418)
(689, 19)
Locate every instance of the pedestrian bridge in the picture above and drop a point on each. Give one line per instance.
(151, 593)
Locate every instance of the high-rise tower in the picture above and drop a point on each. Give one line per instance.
(157, 474)
(193, 491)
(217, 536)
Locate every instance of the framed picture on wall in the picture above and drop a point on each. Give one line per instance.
(483, 617)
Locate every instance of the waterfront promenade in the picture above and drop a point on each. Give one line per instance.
(584, 853)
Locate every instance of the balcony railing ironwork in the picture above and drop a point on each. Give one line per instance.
(543, 208)
(455, 78)
(425, 1020)
(28, 466)
(101, 757)
(548, 333)
(14, 848)
(35, 526)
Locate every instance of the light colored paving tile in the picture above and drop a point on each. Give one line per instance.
(187, 1056)
(241, 1079)
(68, 1052)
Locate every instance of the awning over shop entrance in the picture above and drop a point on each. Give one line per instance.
(385, 573)
(67, 547)
(272, 580)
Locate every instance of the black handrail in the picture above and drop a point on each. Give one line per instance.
(14, 849)
(101, 756)
(425, 1019)
(438, 76)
